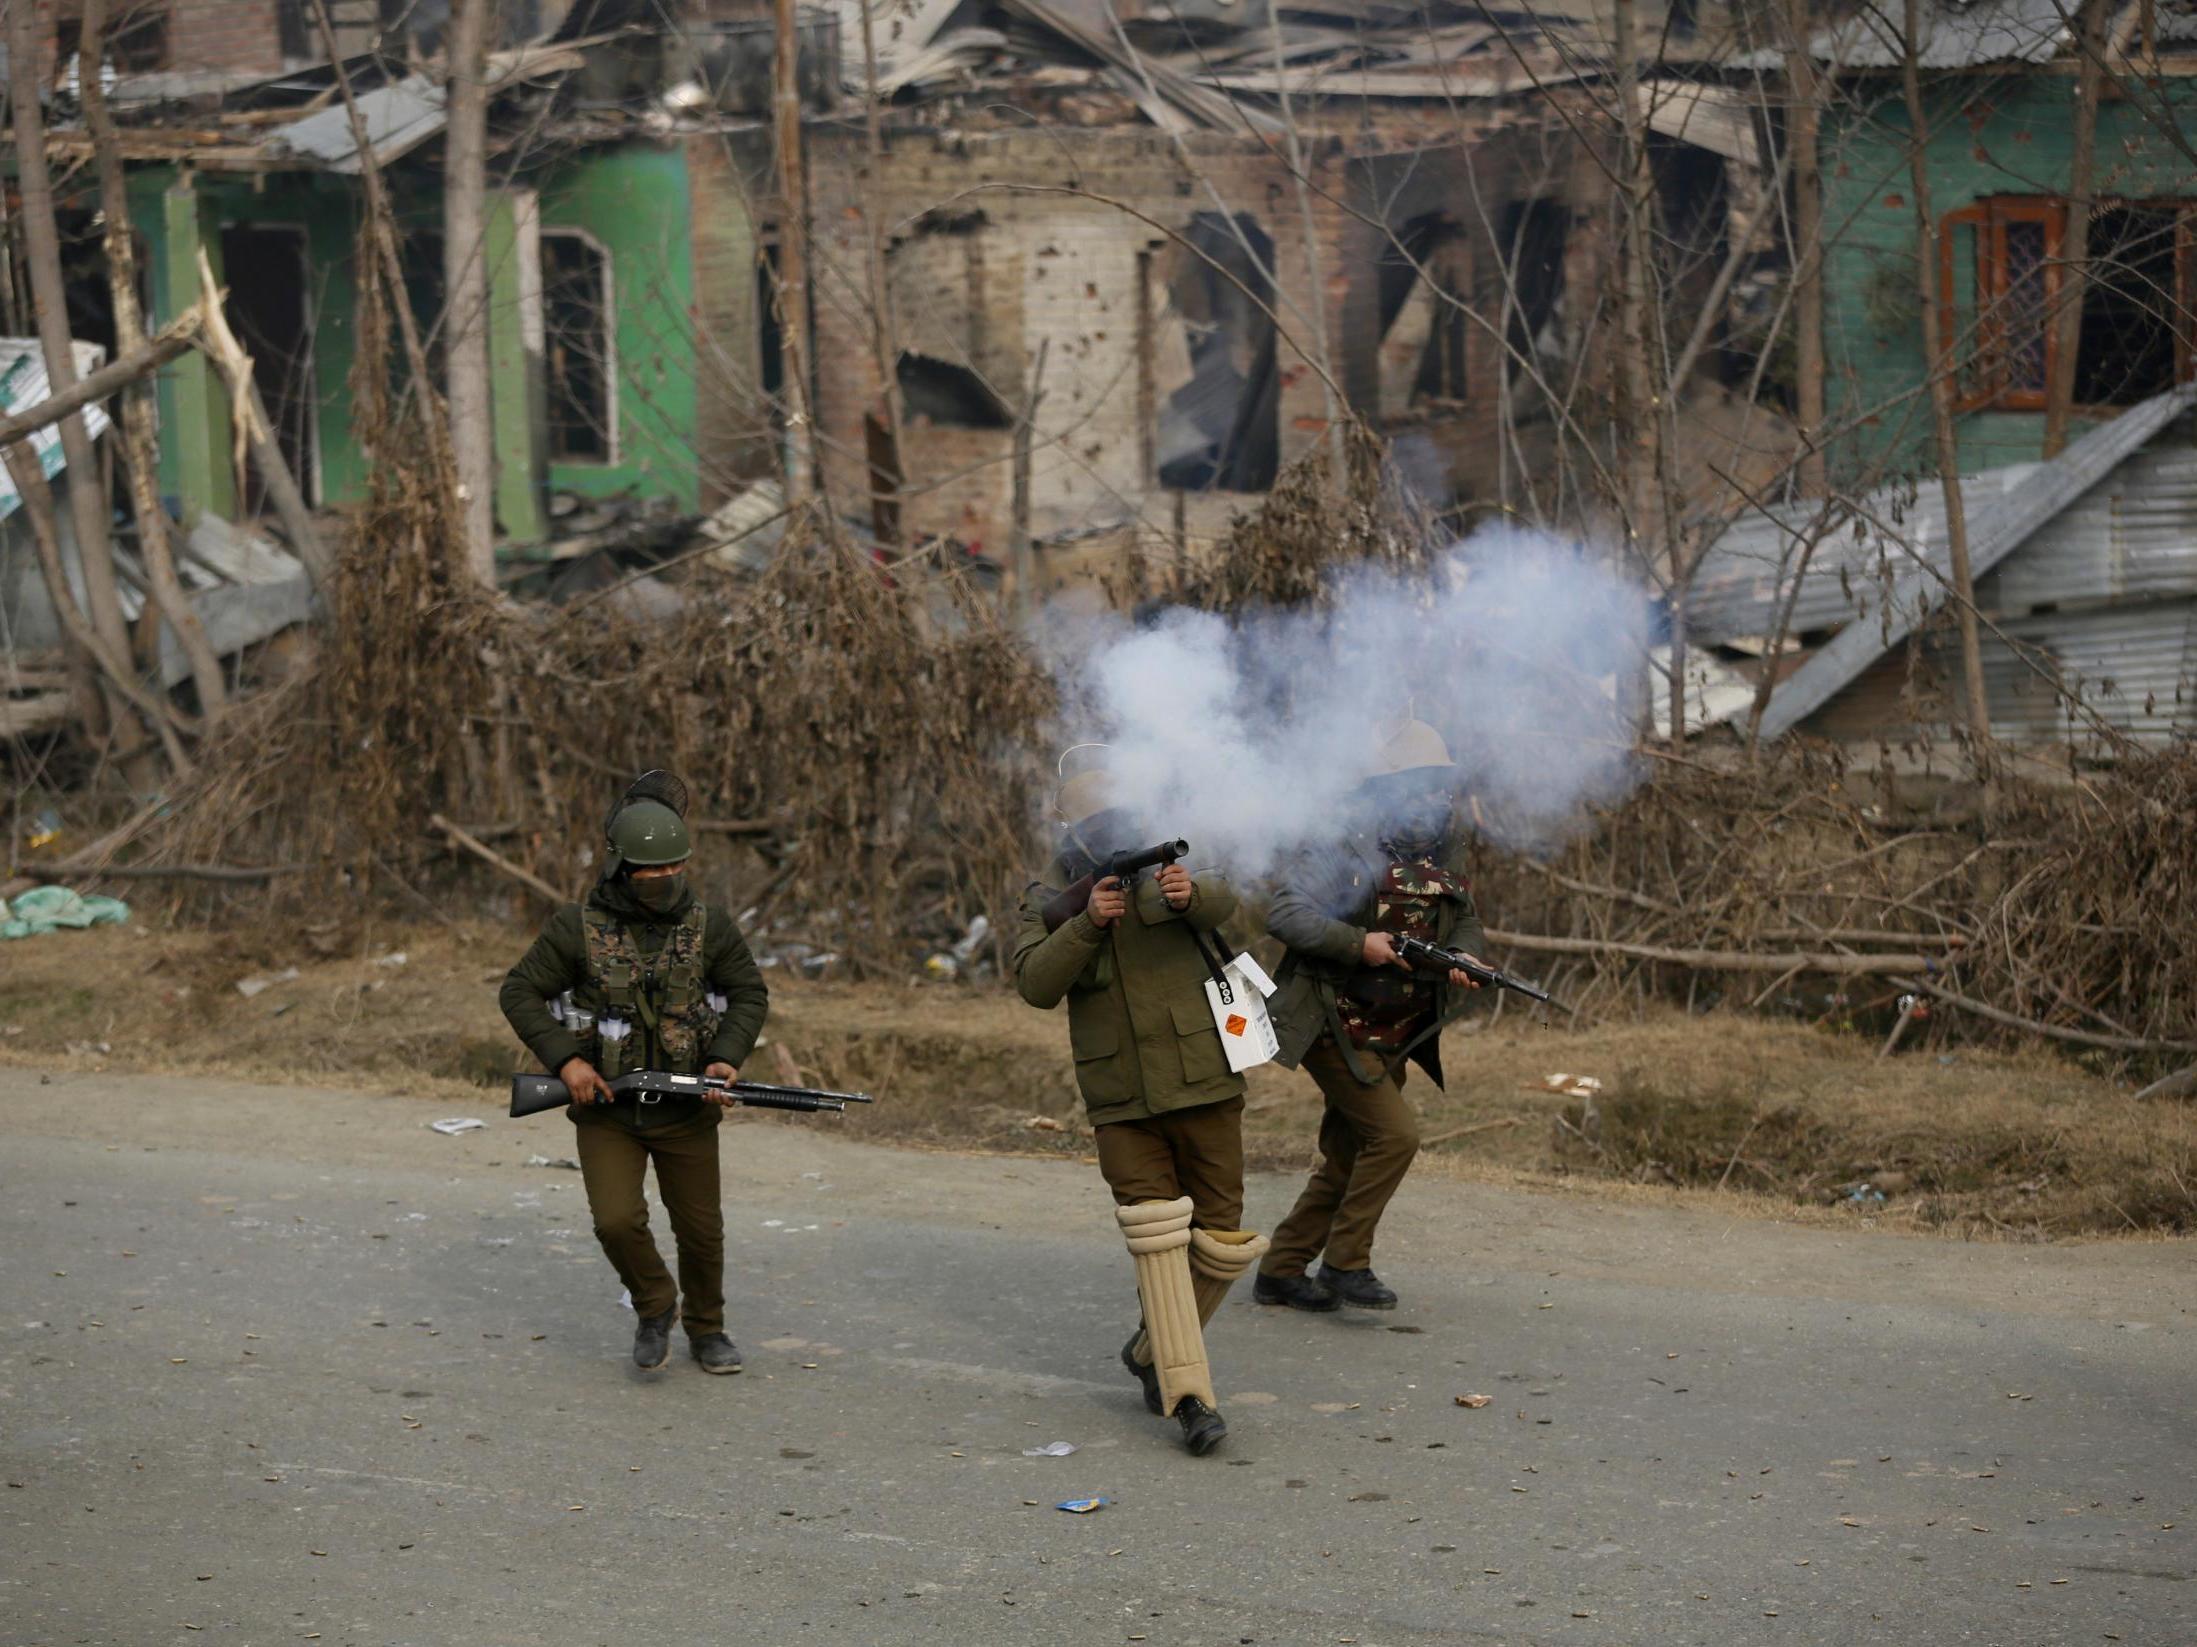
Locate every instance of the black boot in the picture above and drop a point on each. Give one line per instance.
(717, 1353)
(652, 1340)
(1203, 1429)
(1360, 1287)
(1299, 1292)
(1146, 1373)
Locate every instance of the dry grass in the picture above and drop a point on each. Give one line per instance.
(1764, 1116)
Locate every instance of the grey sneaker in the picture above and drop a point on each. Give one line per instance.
(717, 1353)
(652, 1340)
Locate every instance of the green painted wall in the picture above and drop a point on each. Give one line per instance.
(176, 216)
(634, 200)
(1990, 135)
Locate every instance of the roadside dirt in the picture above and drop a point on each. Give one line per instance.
(1742, 1113)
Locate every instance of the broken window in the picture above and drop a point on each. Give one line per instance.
(2000, 272)
(1534, 232)
(954, 286)
(2133, 325)
(579, 348)
(1422, 281)
(137, 39)
(268, 270)
(947, 392)
(1220, 421)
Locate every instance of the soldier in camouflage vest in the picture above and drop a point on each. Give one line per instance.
(642, 976)
(1353, 1016)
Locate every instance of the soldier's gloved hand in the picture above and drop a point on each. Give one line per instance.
(1176, 886)
(722, 1071)
(1380, 950)
(585, 1083)
(1108, 902)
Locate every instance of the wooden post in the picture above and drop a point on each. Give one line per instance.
(1938, 361)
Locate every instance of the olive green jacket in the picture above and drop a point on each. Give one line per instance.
(1326, 948)
(557, 961)
(1139, 1025)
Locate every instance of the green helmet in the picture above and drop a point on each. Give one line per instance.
(645, 833)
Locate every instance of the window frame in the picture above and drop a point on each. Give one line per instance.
(1982, 386)
(613, 432)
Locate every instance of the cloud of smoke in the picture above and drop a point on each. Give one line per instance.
(1251, 737)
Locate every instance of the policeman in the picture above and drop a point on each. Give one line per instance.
(1353, 1014)
(1166, 1110)
(643, 976)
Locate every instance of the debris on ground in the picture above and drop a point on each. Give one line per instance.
(564, 1161)
(451, 1126)
(1051, 1449)
(46, 909)
(1080, 1506)
(1474, 1401)
(249, 987)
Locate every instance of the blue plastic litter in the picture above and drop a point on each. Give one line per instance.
(1080, 1506)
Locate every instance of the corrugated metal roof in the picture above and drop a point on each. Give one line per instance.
(1953, 36)
(2133, 534)
(1999, 526)
(2133, 668)
(23, 384)
(399, 118)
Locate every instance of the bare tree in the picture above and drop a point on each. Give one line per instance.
(87, 501)
(793, 253)
(1801, 120)
(465, 282)
(2067, 321)
(139, 454)
(1938, 363)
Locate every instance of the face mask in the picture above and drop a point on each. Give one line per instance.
(658, 893)
(1420, 823)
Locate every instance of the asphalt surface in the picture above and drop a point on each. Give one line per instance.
(283, 1366)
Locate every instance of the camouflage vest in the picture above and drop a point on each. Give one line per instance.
(1382, 1008)
(651, 1012)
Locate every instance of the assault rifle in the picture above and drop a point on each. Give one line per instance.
(531, 1094)
(1072, 900)
(1417, 953)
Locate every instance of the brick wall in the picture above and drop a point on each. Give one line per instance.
(1075, 221)
(224, 36)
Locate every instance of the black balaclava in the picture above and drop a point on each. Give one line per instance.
(1413, 812)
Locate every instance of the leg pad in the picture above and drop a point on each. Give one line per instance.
(1159, 1239)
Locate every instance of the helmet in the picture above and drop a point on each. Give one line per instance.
(1087, 787)
(1409, 745)
(646, 833)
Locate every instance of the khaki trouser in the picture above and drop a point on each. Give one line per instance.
(1368, 1137)
(614, 1164)
(1194, 1152)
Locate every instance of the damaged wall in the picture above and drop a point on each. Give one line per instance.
(1164, 376)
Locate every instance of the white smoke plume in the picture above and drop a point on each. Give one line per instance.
(1249, 737)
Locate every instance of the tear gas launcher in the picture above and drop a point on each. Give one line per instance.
(531, 1094)
(1421, 955)
(1073, 899)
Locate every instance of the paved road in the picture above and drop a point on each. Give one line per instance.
(282, 1366)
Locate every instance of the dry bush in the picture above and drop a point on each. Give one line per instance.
(868, 723)
(2062, 904)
